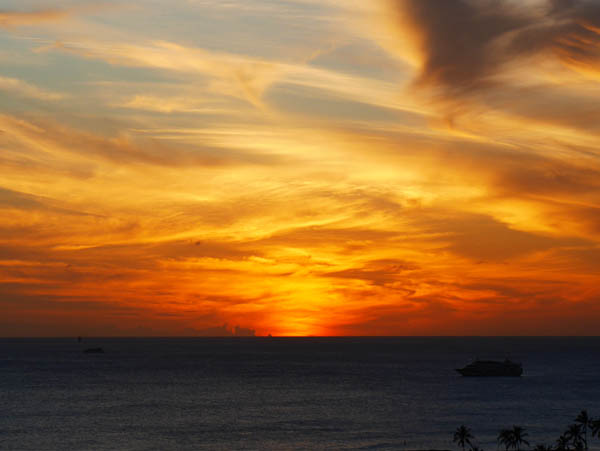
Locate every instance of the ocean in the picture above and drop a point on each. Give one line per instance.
(287, 393)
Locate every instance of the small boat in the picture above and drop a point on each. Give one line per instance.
(94, 351)
(492, 368)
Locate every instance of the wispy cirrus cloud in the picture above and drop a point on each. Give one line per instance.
(24, 89)
(241, 76)
(60, 139)
(19, 18)
(230, 74)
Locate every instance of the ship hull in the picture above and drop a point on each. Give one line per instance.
(489, 368)
(474, 373)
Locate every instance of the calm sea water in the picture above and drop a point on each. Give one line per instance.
(286, 393)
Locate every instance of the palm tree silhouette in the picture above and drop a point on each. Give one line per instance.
(506, 438)
(513, 438)
(463, 436)
(519, 435)
(543, 448)
(562, 444)
(574, 435)
(595, 428)
(584, 420)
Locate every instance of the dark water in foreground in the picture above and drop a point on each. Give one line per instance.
(286, 393)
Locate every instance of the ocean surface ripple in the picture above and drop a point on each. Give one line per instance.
(287, 393)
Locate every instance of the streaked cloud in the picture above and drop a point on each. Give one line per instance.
(61, 140)
(19, 87)
(239, 76)
(19, 18)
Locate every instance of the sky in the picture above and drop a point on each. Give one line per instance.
(299, 167)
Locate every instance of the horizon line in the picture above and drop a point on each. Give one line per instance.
(286, 336)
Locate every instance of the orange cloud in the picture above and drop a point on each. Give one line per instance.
(15, 18)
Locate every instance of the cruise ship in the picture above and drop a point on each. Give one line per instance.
(487, 368)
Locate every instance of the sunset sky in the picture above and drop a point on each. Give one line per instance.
(299, 167)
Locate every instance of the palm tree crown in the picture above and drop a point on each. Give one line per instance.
(543, 448)
(506, 438)
(513, 438)
(519, 435)
(574, 435)
(462, 436)
(583, 420)
(595, 427)
(562, 443)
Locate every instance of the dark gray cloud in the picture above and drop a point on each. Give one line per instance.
(464, 43)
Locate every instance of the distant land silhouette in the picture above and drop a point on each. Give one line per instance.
(226, 331)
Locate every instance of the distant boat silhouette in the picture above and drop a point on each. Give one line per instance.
(94, 351)
(491, 368)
